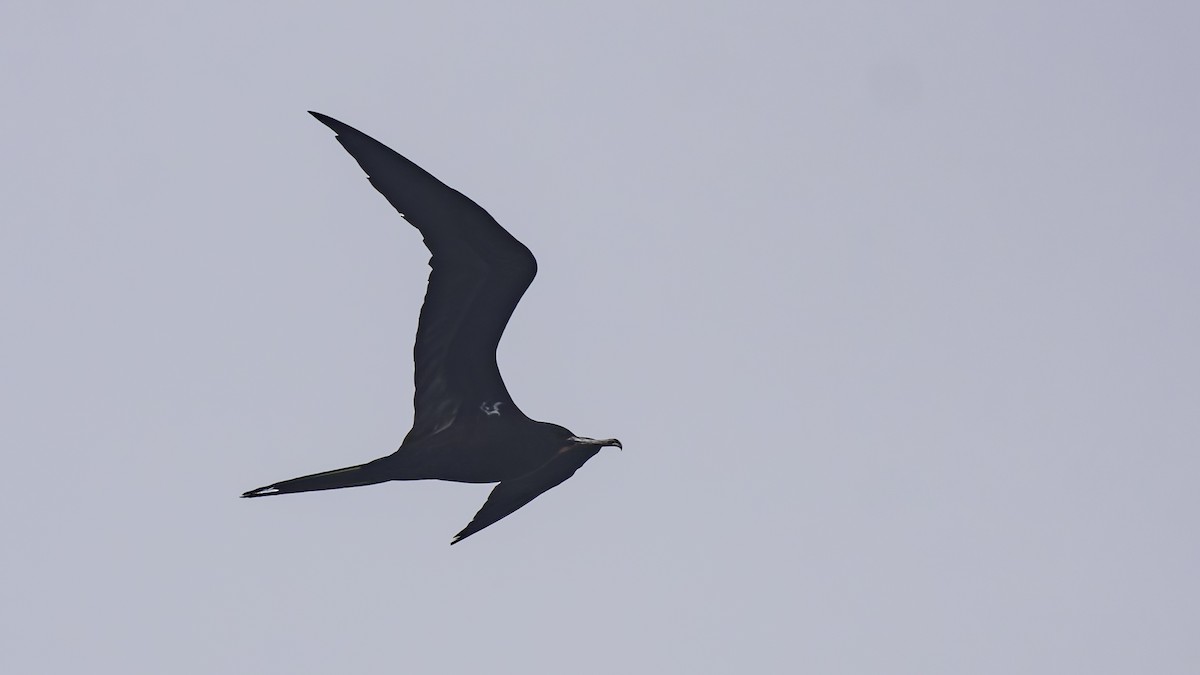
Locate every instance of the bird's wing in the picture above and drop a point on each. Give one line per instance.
(511, 495)
(479, 273)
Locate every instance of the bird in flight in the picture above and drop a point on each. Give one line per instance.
(466, 427)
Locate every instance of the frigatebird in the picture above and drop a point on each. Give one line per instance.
(466, 427)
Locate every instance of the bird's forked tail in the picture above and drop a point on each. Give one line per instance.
(351, 476)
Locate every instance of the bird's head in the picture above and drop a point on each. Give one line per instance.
(565, 435)
(601, 442)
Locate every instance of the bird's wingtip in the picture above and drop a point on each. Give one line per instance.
(327, 121)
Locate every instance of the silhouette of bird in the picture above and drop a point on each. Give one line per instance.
(466, 427)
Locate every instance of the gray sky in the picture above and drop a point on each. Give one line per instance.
(894, 306)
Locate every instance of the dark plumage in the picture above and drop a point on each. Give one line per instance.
(466, 427)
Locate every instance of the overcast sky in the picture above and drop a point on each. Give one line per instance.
(894, 306)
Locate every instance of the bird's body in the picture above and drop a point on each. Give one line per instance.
(466, 428)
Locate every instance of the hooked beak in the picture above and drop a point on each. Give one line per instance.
(602, 442)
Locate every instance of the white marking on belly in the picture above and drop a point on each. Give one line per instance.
(493, 409)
